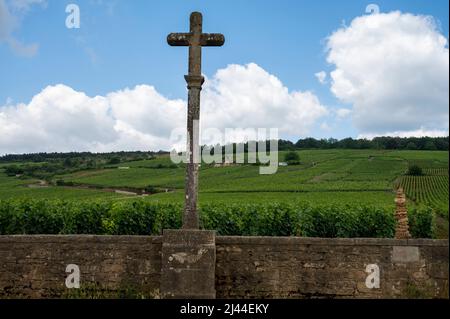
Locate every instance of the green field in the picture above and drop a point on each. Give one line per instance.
(17, 188)
(323, 176)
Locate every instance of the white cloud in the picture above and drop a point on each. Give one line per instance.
(62, 119)
(394, 69)
(421, 132)
(321, 77)
(343, 113)
(58, 118)
(248, 96)
(11, 14)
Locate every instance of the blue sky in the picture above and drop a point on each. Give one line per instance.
(122, 44)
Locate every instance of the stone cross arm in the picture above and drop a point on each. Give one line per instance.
(186, 39)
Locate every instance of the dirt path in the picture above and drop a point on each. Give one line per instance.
(39, 184)
(127, 191)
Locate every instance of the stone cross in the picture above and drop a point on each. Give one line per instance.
(195, 40)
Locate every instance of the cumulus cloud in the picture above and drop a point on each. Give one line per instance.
(248, 96)
(321, 77)
(11, 14)
(343, 113)
(60, 118)
(394, 69)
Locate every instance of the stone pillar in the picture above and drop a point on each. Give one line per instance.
(190, 217)
(401, 215)
(188, 264)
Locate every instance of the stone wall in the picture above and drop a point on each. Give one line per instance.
(245, 267)
(292, 267)
(110, 266)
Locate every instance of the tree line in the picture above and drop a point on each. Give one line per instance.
(111, 157)
(384, 142)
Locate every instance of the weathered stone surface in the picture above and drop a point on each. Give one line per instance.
(236, 267)
(35, 266)
(188, 264)
(188, 237)
(405, 254)
(292, 267)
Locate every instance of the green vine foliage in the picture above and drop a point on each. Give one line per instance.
(149, 218)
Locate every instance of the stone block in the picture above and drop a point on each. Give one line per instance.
(405, 254)
(188, 264)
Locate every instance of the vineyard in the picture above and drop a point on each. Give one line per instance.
(334, 178)
(146, 218)
(431, 189)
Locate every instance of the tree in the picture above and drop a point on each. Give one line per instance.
(292, 158)
(151, 189)
(14, 170)
(114, 160)
(415, 170)
(411, 146)
(284, 145)
(307, 143)
(391, 143)
(68, 162)
(430, 146)
(60, 182)
(91, 163)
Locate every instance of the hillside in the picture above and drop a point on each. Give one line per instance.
(366, 176)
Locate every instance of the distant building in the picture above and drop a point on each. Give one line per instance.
(282, 164)
(225, 164)
(123, 167)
